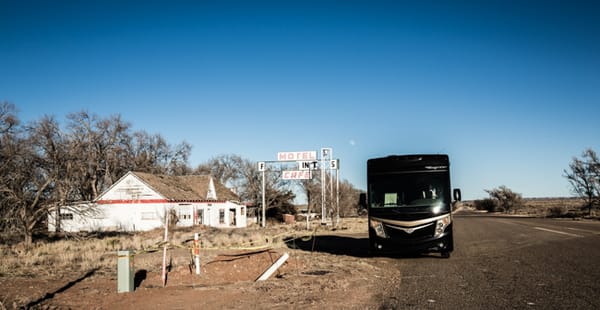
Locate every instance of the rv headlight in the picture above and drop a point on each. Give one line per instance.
(441, 225)
(436, 208)
(378, 227)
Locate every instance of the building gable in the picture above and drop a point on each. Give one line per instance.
(130, 188)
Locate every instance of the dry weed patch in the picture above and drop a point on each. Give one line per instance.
(82, 253)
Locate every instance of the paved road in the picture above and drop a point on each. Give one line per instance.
(505, 263)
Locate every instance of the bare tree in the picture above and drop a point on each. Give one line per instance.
(348, 196)
(178, 159)
(107, 150)
(584, 177)
(112, 149)
(279, 196)
(87, 144)
(147, 151)
(349, 199)
(9, 151)
(28, 182)
(229, 170)
(152, 154)
(52, 151)
(61, 161)
(8, 118)
(250, 184)
(312, 191)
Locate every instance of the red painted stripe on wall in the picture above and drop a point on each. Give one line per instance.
(119, 201)
(129, 201)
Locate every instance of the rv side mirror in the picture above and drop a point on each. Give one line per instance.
(457, 194)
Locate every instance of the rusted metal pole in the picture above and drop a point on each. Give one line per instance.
(264, 201)
(164, 266)
(197, 253)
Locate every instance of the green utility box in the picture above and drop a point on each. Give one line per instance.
(125, 271)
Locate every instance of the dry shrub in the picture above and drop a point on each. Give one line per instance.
(486, 204)
(557, 211)
(82, 253)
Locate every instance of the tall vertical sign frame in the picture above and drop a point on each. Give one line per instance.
(307, 161)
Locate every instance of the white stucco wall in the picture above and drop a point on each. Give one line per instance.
(148, 216)
(130, 205)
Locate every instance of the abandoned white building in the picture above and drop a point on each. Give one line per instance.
(142, 201)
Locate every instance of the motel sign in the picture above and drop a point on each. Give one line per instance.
(307, 161)
(297, 156)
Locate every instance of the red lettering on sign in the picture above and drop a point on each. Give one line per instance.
(305, 155)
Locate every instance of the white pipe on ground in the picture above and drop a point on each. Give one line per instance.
(274, 267)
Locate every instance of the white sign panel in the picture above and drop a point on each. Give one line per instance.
(326, 153)
(296, 175)
(334, 164)
(307, 165)
(297, 156)
(261, 166)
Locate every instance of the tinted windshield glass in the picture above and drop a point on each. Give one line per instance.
(408, 190)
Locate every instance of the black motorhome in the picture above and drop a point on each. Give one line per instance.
(409, 204)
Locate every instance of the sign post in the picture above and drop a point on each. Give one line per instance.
(334, 165)
(261, 168)
(325, 156)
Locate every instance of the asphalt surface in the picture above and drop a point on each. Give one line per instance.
(503, 262)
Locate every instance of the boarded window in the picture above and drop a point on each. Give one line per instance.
(200, 216)
(232, 217)
(221, 216)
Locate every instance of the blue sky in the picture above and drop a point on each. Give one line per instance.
(509, 89)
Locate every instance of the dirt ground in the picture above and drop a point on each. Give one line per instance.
(328, 271)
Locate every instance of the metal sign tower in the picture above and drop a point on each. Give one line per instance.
(307, 162)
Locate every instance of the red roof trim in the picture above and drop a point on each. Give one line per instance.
(202, 201)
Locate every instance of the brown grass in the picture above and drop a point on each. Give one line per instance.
(82, 253)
